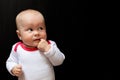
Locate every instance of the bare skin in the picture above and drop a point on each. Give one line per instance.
(17, 70)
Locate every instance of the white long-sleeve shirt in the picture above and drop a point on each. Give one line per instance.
(36, 65)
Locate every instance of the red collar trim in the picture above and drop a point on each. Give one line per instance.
(26, 48)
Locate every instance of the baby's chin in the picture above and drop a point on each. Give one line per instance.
(35, 44)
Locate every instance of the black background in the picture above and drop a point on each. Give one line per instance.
(65, 23)
(107, 75)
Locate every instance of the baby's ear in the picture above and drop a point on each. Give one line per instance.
(18, 34)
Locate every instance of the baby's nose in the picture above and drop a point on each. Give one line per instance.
(36, 33)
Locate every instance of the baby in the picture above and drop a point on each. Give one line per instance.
(33, 57)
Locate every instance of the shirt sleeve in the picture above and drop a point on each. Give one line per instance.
(12, 60)
(55, 56)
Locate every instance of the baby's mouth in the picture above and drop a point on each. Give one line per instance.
(37, 39)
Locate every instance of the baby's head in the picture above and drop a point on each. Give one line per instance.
(30, 27)
(28, 15)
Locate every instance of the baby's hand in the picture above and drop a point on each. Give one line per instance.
(43, 45)
(17, 70)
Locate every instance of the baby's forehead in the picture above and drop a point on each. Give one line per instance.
(31, 15)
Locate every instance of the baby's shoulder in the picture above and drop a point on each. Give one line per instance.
(15, 45)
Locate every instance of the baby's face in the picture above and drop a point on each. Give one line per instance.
(32, 31)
